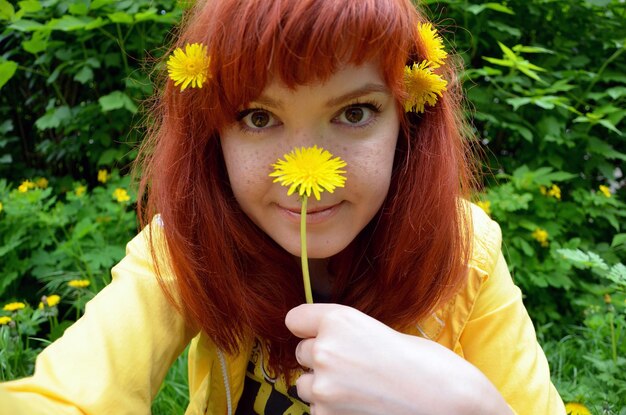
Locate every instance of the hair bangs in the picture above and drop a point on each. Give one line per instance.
(300, 42)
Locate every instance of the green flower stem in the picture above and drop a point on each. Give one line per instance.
(303, 256)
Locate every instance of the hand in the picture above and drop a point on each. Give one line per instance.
(361, 366)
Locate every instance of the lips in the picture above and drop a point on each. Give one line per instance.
(314, 215)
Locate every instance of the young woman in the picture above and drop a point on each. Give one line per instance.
(415, 310)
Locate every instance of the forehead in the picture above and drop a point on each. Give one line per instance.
(366, 78)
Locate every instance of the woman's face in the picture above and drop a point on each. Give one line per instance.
(354, 116)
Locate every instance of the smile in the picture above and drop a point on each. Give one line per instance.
(314, 215)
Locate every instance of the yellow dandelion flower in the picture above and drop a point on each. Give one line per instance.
(541, 236)
(5, 320)
(79, 283)
(433, 43)
(309, 169)
(189, 67)
(605, 190)
(49, 301)
(80, 190)
(14, 306)
(575, 408)
(103, 176)
(42, 183)
(121, 195)
(422, 86)
(1, 206)
(485, 205)
(26, 186)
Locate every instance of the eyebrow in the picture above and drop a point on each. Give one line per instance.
(366, 89)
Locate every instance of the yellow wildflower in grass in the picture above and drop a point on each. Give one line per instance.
(14, 306)
(484, 205)
(80, 190)
(575, 408)
(189, 67)
(42, 182)
(5, 320)
(26, 186)
(605, 190)
(1, 206)
(433, 43)
(422, 86)
(103, 176)
(50, 301)
(79, 283)
(307, 170)
(121, 195)
(555, 192)
(541, 236)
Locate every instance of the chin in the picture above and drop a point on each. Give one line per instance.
(315, 250)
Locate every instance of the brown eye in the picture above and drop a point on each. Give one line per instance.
(358, 114)
(354, 115)
(259, 119)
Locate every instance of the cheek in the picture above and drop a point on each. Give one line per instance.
(370, 169)
(248, 169)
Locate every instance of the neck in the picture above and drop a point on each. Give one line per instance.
(321, 282)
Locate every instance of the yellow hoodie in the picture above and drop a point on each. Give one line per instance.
(114, 359)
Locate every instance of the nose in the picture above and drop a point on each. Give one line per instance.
(308, 136)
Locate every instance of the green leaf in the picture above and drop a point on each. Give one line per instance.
(96, 4)
(120, 17)
(98, 22)
(531, 49)
(37, 43)
(508, 53)
(53, 118)
(583, 260)
(617, 274)
(500, 62)
(25, 25)
(609, 126)
(150, 14)
(29, 6)
(513, 31)
(83, 228)
(7, 70)
(619, 241)
(116, 100)
(7, 11)
(477, 9)
(84, 75)
(78, 9)
(616, 92)
(518, 102)
(69, 23)
(604, 149)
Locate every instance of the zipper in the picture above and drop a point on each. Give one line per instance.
(229, 402)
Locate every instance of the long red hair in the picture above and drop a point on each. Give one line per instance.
(232, 280)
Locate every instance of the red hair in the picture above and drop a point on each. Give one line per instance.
(232, 280)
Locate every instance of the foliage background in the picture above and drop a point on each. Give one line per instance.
(546, 86)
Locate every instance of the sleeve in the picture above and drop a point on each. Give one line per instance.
(499, 339)
(113, 359)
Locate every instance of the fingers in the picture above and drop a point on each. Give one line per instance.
(304, 384)
(304, 353)
(304, 320)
